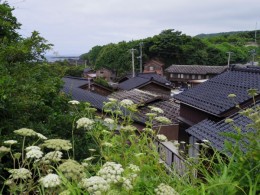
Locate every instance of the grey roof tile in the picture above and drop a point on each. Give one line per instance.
(195, 69)
(212, 95)
(214, 131)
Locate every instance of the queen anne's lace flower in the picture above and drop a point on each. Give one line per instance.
(128, 128)
(112, 99)
(127, 184)
(109, 120)
(32, 148)
(25, 132)
(94, 185)
(126, 102)
(57, 144)
(151, 114)
(164, 189)
(89, 158)
(149, 130)
(72, 170)
(156, 109)
(33, 153)
(53, 156)
(162, 137)
(10, 142)
(4, 149)
(111, 172)
(134, 168)
(21, 173)
(163, 120)
(41, 136)
(84, 122)
(51, 180)
(107, 144)
(73, 102)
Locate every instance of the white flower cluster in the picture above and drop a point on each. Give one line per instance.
(156, 109)
(84, 122)
(21, 173)
(41, 136)
(95, 185)
(164, 189)
(149, 130)
(127, 184)
(53, 156)
(57, 144)
(111, 172)
(33, 152)
(126, 102)
(161, 137)
(107, 144)
(151, 114)
(163, 120)
(128, 128)
(10, 142)
(134, 168)
(25, 132)
(4, 149)
(51, 180)
(112, 99)
(109, 120)
(73, 102)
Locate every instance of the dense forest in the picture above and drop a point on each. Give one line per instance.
(174, 47)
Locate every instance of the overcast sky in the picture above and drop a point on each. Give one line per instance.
(75, 26)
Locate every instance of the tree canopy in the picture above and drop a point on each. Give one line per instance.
(174, 47)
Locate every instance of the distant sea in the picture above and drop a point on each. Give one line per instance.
(60, 58)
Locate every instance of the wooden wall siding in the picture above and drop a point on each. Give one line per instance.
(170, 131)
(156, 89)
(106, 74)
(192, 114)
(100, 90)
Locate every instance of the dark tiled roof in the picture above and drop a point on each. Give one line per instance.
(71, 87)
(136, 95)
(142, 79)
(170, 107)
(195, 69)
(74, 82)
(211, 96)
(214, 131)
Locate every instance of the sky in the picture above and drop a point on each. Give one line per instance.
(75, 26)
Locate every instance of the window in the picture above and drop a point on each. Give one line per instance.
(207, 77)
(187, 76)
(182, 76)
(193, 76)
(151, 68)
(179, 75)
(199, 76)
(171, 75)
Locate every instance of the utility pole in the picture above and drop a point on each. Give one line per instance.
(229, 56)
(133, 60)
(253, 53)
(255, 30)
(141, 56)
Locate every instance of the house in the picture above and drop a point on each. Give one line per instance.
(89, 73)
(98, 88)
(148, 82)
(184, 75)
(207, 105)
(72, 88)
(145, 100)
(106, 73)
(154, 66)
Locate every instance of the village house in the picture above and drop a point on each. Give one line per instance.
(203, 109)
(154, 66)
(89, 73)
(106, 73)
(191, 75)
(151, 82)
